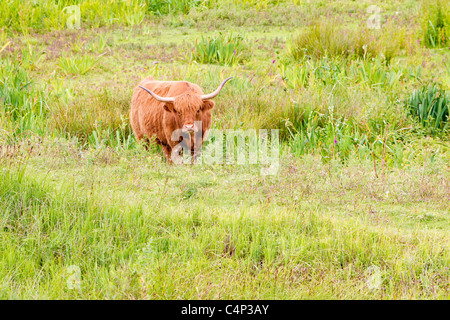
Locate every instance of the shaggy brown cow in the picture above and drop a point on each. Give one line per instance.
(158, 108)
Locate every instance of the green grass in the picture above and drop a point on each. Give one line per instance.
(236, 246)
(363, 184)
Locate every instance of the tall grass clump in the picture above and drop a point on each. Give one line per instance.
(436, 23)
(94, 118)
(22, 105)
(430, 105)
(224, 49)
(342, 139)
(326, 38)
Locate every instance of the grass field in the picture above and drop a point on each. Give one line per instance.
(359, 208)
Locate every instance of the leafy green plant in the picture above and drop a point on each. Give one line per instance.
(225, 49)
(431, 106)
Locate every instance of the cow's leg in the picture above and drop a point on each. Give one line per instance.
(167, 150)
(196, 148)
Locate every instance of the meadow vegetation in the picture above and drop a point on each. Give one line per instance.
(364, 179)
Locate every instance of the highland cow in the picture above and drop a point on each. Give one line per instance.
(158, 108)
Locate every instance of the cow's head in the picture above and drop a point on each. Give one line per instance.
(188, 107)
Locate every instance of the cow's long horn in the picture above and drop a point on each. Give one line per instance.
(215, 93)
(159, 98)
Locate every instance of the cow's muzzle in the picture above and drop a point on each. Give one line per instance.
(189, 128)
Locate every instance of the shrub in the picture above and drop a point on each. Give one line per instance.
(431, 106)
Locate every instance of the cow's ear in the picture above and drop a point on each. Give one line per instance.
(208, 105)
(168, 107)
